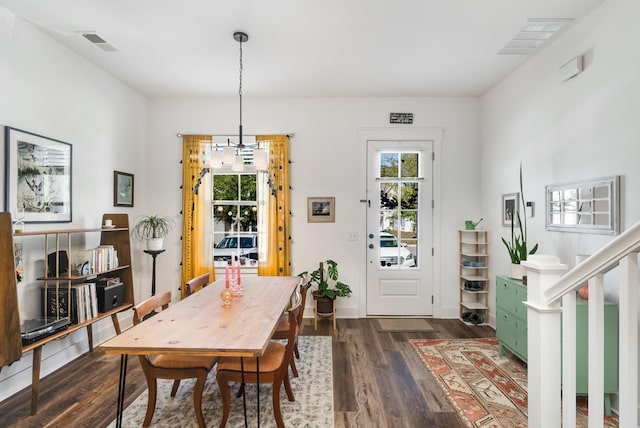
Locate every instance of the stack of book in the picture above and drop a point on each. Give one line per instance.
(82, 307)
(96, 260)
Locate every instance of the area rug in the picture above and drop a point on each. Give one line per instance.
(485, 389)
(313, 391)
(399, 325)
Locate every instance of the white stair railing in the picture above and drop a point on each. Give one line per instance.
(548, 285)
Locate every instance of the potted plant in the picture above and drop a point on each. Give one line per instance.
(152, 229)
(518, 247)
(326, 286)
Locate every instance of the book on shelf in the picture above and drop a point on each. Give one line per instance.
(95, 260)
(82, 306)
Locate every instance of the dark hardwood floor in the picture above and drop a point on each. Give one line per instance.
(378, 381)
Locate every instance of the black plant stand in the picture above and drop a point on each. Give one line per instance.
(154, 254)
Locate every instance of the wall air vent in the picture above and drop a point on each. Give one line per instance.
(99, 41)
(534, 34)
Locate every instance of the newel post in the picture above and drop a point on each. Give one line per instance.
(543, 342)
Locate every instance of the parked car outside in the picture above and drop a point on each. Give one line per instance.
(243, 246)
(391, 249)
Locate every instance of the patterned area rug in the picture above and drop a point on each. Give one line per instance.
(313, 391)
(486, 390)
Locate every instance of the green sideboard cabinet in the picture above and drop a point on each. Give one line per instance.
(511, 330)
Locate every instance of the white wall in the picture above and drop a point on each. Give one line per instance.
(584, 128)
(562, 131)
(47, 89)
(328, 160)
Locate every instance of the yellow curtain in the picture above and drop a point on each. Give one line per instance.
(196, 234)
(277, 261)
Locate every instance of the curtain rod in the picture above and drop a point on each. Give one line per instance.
(179, 135)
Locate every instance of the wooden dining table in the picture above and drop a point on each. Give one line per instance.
(199, 325)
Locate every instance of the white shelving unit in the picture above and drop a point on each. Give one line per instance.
(474, 276)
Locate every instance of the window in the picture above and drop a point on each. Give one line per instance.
(235, 209)
(253, 205)
(399, 189)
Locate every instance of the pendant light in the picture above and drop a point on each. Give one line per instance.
(241, 38)
(231, 153)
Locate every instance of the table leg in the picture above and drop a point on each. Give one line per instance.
(244, 392)
(121, 384)
(258, 386)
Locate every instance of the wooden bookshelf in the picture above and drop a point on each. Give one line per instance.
(11, 348)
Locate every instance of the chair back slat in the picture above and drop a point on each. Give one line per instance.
(153, 303)
(196, 283)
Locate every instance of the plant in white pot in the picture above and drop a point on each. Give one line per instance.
(517, 248)
(152, 229)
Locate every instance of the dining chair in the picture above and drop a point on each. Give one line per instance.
(274, 368)
(282, 329)
(195, 284)
(174, 367)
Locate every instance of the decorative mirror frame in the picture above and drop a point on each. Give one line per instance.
(587, 206)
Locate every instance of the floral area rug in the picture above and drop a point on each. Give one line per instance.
(485, 389)
(313, 392)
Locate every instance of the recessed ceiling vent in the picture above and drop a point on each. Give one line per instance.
(99, 41)
(534, 34)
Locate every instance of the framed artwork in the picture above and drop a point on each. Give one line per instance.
(321, 209)
(510, 208)
(37, 177)
(122, 189)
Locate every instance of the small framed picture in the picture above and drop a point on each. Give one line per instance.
(510, 209)
(321, 209)
(122, 189)
(37, 177)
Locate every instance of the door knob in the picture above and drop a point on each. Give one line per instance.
(371, 246)
(371, 236)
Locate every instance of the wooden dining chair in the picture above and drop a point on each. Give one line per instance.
(174, 367)
(274, 368)
(196, 284)
(282, 330)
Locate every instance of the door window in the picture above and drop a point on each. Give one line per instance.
(399, 190)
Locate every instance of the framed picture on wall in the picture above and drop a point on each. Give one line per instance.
(122, 189)
(321, 209)
(37, 177)
(510, 209)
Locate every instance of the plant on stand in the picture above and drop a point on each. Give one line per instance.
(327, 286)
(152, 229)
(517, 248)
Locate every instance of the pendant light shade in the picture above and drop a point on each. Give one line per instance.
(215, 158)
(238, 164)
(260, 159)
(229, 155)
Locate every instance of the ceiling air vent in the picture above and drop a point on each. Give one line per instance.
(99, 41)
(534, 34)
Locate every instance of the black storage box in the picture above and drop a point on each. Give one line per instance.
(110, 296)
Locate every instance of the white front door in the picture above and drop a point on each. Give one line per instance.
(399, 228)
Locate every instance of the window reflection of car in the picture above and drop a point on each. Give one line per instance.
(391, 249)
(228, 246)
